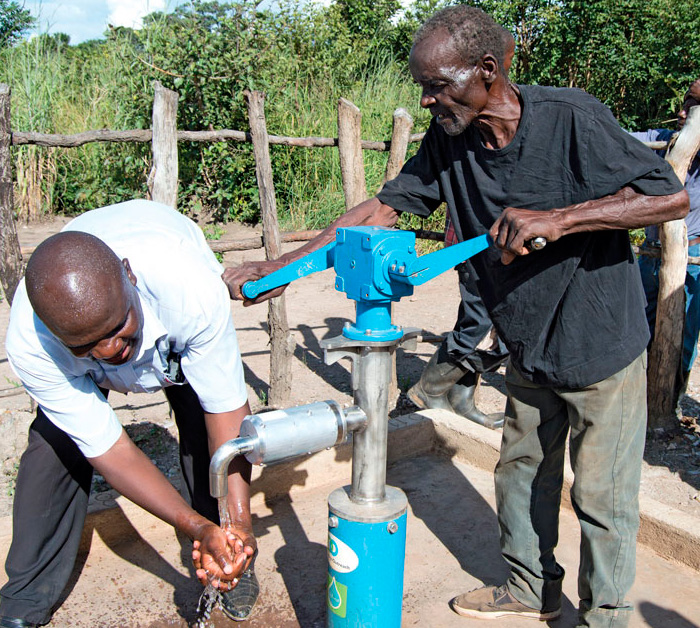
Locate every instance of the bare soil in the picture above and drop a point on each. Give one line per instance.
(671, 471)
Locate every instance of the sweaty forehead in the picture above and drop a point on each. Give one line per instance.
(434, 56)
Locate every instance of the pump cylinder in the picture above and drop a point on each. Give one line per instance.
(370, 446)
(366, 550)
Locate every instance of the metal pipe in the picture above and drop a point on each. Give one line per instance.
(370, 445)
(218, 467)
(279, 435)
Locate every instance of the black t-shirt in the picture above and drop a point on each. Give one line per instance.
(571, 314)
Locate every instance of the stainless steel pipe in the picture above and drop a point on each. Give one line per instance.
(369, 453)
(279, 435)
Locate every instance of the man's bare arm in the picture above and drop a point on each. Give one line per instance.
(222, 427)
(129, 471)
(626, 209)
(371, 212)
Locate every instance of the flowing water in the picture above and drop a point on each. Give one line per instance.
(211, 596)
(224, 518)
(209, 599)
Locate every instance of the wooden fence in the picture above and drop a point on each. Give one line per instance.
(162, 186)
(163, 182)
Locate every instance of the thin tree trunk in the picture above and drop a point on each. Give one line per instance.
(352, 167)
(281, 340)
(665, 356)
(400, 136)
(11, 263)
(162, 181)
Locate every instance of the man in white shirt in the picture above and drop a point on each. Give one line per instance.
(126, 298)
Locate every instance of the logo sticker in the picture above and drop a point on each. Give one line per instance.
(337, 597)
(341, 557)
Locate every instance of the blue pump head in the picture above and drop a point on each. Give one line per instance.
(374, 266)
(364, 257)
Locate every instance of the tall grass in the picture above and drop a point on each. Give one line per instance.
(62, 89)
(68, 89)
(311, 179)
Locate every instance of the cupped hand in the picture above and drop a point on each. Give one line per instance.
(220, 557)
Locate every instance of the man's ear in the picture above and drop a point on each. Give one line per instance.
(488, 66)
(129, 272)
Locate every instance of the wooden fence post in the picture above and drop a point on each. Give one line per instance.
(11, 265)
(352, 167)
(281, 340)
(162, 180)
(400, 136)
(665, 354)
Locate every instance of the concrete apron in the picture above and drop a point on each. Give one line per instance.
(134, 570)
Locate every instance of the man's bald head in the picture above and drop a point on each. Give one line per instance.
(75, 284)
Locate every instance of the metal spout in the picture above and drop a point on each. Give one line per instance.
(218, 467)
(279, 435)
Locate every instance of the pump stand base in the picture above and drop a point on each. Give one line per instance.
(366, 554)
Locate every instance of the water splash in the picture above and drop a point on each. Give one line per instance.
(210, 599)
(211, 596)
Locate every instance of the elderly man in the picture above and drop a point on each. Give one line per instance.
(522, 162)
(451, 378)
(126, 298)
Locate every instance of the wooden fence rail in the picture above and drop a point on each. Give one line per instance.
(55, 140)
(164, 137)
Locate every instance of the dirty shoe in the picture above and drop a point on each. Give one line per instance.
(238, 603)
(495, 602)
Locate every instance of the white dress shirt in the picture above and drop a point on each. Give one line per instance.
(186, 310)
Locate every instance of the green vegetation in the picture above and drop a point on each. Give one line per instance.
(636, 55)
(14, 22)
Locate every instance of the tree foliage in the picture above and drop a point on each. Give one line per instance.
(637, 56)
(15, 21)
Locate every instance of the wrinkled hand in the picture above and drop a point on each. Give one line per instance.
(220, 557)
(236, 277)
(515, 228)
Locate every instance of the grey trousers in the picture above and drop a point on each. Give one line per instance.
(50, 504)
(606, 426)
(462, 344)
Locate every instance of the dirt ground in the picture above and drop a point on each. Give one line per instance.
(671, 472)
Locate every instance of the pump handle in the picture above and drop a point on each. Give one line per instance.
(320, 259)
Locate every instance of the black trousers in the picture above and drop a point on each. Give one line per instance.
(472, 326)
(51, 499)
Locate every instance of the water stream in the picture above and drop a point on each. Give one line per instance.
(211, 596)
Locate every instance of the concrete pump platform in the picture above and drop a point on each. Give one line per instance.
(134, 571)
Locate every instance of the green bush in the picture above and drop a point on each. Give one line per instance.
(632, 54)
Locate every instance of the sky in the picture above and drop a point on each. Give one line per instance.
(88, 19)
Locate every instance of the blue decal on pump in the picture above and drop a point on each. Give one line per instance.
(341, 556)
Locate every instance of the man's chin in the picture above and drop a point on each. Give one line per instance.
(452, 127)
